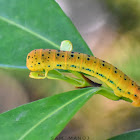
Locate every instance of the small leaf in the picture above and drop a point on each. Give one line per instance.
(55, 74)
(109, 93)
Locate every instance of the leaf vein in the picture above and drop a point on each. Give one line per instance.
(45, 118)
(29, 31)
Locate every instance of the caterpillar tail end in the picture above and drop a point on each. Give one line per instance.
(136, 103)
(136, 98)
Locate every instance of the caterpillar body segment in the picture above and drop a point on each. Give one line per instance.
(40, 61)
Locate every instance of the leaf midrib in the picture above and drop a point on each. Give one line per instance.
(29, 31)
(45, 118)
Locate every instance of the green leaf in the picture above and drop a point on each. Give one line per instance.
(33, 24)
(78, 82)
(44, 118)
(132, 135)
(109, 93)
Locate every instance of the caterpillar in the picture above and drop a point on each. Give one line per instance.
(40, 60)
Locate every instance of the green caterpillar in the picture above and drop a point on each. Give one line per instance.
(41, 60)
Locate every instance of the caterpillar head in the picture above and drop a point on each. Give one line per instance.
(136, 100)
(33, 61)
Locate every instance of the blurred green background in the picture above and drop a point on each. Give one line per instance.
(112, 31)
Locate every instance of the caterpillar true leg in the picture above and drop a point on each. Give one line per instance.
(37, 75)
